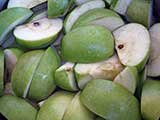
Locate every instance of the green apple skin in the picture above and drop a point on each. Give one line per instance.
(19, 15)
(1, 72)
(24, 71)
(99, 118)
(58, 7)
(150, 104)
(128, 78)
(94, 15)
(43, 83)
(55, 106)
(110, 101)
(81, 45)
(137, 9)
(76, 110)
(64, 77)
(14, 108)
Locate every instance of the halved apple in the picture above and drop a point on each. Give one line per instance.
(39, 33)
(38, 16)
(150, 104)
(77, 111)
(77, 12)
(129, 40)
(79, 2)
(139, 8)
(153, 67)
(64, 77)
(24, 3)
(120, 6)
(14, 108)
(100, 16)
(128, 78)
(58, 7)
(110, 100)
(1, 72)
(107, 69)
(19, 15)
(55, 106)
(87, 45)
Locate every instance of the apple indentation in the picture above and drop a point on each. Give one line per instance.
(36, 24)
(121, 46)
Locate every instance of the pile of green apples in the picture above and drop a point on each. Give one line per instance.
(79, 60)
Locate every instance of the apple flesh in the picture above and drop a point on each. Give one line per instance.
(77, 12)
(129, 40)
(39, 33)
(79, 2)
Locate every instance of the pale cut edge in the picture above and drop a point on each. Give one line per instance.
(79, 2)
(39, 16)
(55, 28)
(24, 3)
(126, 33)
(77, 12)
(111, 23)
(121, 6)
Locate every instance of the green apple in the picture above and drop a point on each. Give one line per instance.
(39, 33)
(64, 77)
(43, 78)
(87, 44)
(128, 78)
(100, 16)
(19, 15)
(24, 70)
(110, 101)
(139, 8)
(58, 7)
(120, 6)
(129, 40)
(150, 104)
(8, 89)
(107, 69)
(154, 59)
(80, 10)
(11, 57)
(55, 106)
(24, 3)
(33, 75)
(1, 72)
(14, 108)
(38, 16)
(76, 110)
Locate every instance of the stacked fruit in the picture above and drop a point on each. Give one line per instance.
(79, 60)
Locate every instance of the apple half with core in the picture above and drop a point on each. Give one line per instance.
(107, 69)
(150, 104)
(39, 33)
(80, 10)
(153, 67)
(110, 100)
(87, 44)
(129, 40)
(10, 18)
(100, 16)
(64, 77)
(14, 108)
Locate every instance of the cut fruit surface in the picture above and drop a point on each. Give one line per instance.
(79, 2)
(100, 16)
(128, 78)
(24, 3)
(150, 104)
(14, 108)
(77, 111)
(38, 16)
(38, 33)
(64, 77)
(77, 12)
(110, 101)
(107, 69)
(1, 72)
(55, 106)
(19, 15)
(153, 67)
(87, 45)
(24, 71)
(129, 40)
